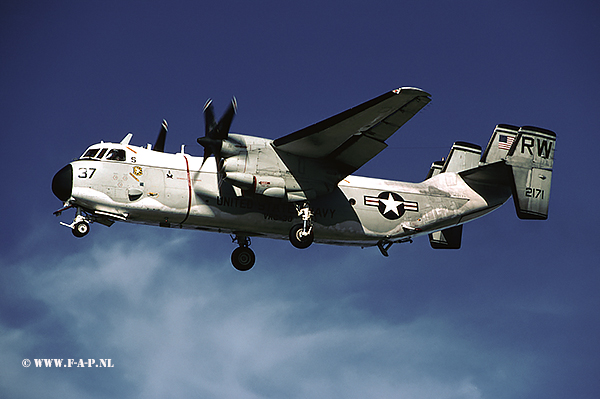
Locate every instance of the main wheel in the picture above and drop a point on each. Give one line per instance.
(298, 239)
(81, 229)
(243, 259)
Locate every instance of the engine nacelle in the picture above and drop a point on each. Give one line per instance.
(242, 172)
(269, 186)
(235, 164)
(231, 148)
(245, 181)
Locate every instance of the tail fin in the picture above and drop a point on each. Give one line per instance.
(519, 158)
(531, 157)
(500, 143)
(436, 169)
(462, 156)
(449, 238)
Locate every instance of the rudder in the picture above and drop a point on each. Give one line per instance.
(531, 157)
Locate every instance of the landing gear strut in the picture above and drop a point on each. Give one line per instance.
(243, 257)
(302, 235)
(81, 224)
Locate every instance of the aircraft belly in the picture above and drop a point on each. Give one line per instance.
(258, 215)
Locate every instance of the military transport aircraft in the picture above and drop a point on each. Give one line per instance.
(301, 187)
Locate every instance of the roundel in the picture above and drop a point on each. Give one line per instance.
(391, 205)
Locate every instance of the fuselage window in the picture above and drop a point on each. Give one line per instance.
(90, 153)
(116, 155)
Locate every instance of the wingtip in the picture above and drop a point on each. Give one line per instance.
(409, 89)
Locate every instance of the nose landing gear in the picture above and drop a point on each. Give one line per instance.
(243, 257)
(81, 229)
(80, 226)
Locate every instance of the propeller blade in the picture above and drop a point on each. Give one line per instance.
(162, 136)
(211, 147)
(209, 118)
(216, 132)
(225, 122)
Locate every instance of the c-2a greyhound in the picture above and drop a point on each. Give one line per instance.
(301, 187)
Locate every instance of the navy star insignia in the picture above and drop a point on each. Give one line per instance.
(391, 205)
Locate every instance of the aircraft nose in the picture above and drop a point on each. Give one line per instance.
(62, 183)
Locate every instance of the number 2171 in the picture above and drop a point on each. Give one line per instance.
(534, 192)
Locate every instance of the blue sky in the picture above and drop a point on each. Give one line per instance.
(514, 313)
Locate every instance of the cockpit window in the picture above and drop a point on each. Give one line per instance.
(116, 155)
(90, 153)
(95, 153)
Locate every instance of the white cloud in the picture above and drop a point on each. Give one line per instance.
(177, 325)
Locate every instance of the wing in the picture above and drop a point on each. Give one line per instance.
(353, 137)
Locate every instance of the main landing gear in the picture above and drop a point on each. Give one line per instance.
(302, 235)
(242, 257)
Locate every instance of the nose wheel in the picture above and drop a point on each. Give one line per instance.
(243, 257)
(81, 229)
(80, 226)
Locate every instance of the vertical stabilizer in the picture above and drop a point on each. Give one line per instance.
(531, 157)
(500, 143)
(449, 238)
(435, 169)
(462, 156)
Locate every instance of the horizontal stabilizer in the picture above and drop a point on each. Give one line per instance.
(446, 239)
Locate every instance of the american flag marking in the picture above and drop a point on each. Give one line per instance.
(504, 142)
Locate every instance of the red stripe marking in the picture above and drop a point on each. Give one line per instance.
(189, 180)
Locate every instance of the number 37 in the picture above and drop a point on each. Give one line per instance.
(86, 173)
